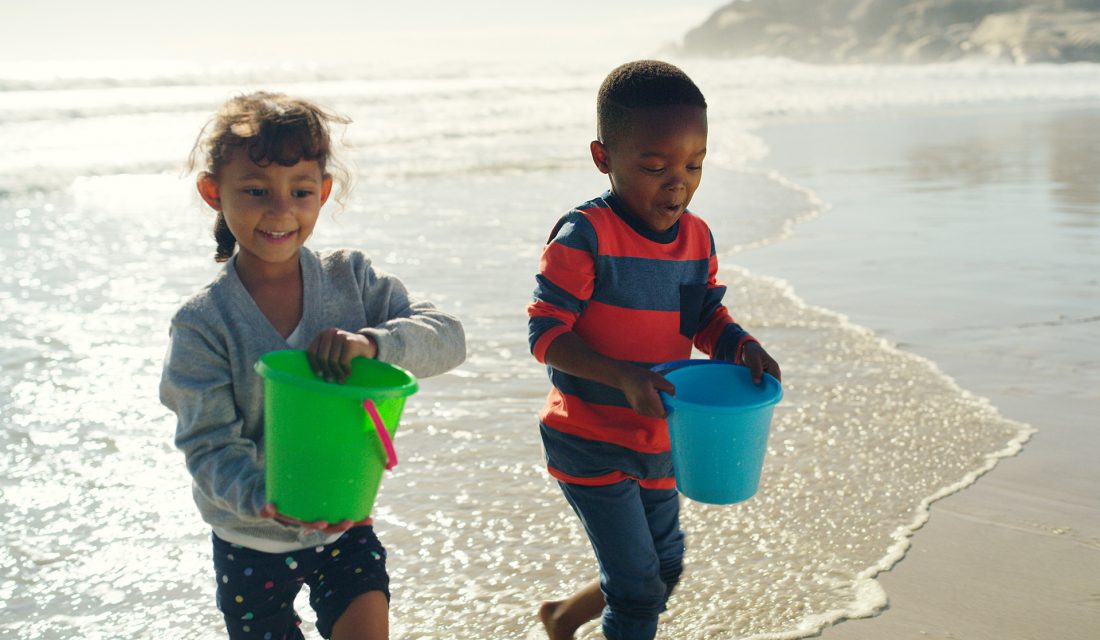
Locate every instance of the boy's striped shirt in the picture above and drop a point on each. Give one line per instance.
(631, 294)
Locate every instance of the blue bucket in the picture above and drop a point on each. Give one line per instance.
(718, 423)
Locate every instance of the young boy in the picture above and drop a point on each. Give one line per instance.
(628, 280)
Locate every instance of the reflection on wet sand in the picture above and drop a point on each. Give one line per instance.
(1065, 144)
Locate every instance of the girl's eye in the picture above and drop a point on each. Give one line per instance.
(695, 168)
(302, 193)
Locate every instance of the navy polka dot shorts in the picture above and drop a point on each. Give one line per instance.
(256, 590)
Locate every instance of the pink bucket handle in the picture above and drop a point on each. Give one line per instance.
(383, 435)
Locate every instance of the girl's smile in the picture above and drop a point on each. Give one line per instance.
(277, 236)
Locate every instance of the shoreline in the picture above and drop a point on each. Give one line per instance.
(1014, 554)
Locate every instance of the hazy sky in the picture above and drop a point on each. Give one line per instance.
(285, 30)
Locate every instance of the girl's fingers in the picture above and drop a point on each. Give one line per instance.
(330, 355)
(343, 362)
(311, 355)
(318, 350)
(335, 353)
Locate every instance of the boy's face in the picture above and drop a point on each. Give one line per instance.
(657, 163)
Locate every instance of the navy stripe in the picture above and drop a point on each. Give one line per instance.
(726, 346)
(590, 391)
(711, 301)
(552, 294)
(575, 230)
(646, 283)
(538, 325)
(583, 458)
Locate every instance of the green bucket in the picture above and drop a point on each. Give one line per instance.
(326, 444)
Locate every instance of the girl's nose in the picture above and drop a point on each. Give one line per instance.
(281, 204)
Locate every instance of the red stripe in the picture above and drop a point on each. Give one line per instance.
(712, 273)
(629, 334)
(706, 339)
(544, 341)
(542, 309)
(618, 239)
(569, 268)
(612, 478)
(617, 425)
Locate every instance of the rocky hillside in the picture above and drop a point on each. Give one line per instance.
(902, 31)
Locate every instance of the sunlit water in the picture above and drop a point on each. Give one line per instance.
(460, 178)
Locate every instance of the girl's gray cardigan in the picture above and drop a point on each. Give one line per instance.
(211, 385)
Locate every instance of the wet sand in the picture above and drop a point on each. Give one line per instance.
(970, 237)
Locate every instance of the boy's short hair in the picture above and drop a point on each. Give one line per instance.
(642, 83)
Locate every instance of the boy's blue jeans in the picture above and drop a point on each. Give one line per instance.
(636, 535)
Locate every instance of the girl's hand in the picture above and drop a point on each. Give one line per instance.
(641, 387)
(758, 361)
(320, 525)
(331, 352)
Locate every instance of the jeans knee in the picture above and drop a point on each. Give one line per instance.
(632, 619)
(638, 599)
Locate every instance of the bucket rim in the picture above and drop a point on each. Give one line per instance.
(357, 392)
(769, 381)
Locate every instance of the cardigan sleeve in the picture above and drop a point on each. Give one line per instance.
(410, 333)
(196, 384)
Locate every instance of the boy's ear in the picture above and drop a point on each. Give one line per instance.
(209, 190)
(600, 156)
(326, 189)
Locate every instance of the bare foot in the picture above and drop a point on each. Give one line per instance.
(551, 621)
(562, 618)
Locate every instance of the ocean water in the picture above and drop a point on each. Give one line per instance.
(460, 174)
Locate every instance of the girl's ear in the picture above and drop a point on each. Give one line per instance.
(326, 189)
(209, 190)
(600, 156)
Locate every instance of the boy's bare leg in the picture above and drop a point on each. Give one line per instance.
(562, 617)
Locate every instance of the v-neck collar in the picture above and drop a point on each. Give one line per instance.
(311, 280)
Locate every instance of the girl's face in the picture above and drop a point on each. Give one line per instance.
(270, 209)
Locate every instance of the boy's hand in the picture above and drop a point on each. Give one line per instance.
(331, 352)
(269, 511)
(758, 361)
(641, 387)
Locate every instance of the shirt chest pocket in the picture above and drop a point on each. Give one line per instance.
(692, 300)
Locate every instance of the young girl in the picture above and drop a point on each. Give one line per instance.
(268, 158)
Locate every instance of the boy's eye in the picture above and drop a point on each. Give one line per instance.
(256, 192)
(653, 170)
(697, 167)
(302, 193)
